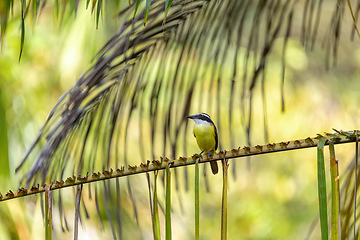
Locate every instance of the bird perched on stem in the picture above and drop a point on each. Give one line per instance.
(206, 136)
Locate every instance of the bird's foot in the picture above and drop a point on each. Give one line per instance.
(200, 156)
(210, 154)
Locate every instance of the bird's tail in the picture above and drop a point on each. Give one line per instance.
(214, 167)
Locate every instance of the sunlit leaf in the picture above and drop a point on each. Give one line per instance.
(147, 9)
(23, 7)
(335, 194)
(168, 203)
(197, 211)
(48, 213)
(156, 221)
(224, 200)
(136, 7)
(322, 188)
(98, 13)
(35, 9)
(167, 7)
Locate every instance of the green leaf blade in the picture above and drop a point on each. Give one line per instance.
(147, 9)
(136, 7)
(23, 9)
(156, 221)
(335, 194)
(48, 213)
(322, 188)
(224, 201)
(168, 203)
(98, 11)
(167, 7)
(197, 181)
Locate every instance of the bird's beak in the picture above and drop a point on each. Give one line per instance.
(192, 116)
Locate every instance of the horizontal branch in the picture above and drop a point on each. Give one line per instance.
(338, 138)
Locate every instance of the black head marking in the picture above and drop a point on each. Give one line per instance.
(202, 116)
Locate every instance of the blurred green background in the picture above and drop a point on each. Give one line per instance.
(273, 198)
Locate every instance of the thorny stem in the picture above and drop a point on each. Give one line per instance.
(338, 138)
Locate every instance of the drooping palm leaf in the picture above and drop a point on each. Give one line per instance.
(152, 76)
(127, 81)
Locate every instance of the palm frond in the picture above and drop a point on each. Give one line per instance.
(128, 83)
(131, 104)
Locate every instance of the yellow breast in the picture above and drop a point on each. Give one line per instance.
(205, 137)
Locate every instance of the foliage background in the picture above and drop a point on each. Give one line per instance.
(273, 197)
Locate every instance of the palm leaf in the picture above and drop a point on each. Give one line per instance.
(322, 188)
(153, 76)
(113, 87)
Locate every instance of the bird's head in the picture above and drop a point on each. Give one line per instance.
(201, 118)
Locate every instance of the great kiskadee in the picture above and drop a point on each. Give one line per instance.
(206, 136)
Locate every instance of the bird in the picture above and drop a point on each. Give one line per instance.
(206, 136)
